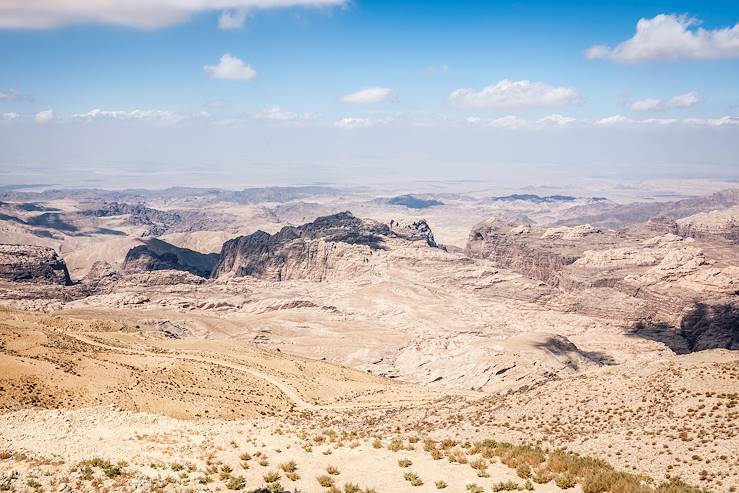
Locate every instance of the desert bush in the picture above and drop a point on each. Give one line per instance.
(275, 487)
(292, 476)
(523, 471)
(474, 488)
(289, 466)
(352, 488)
(236, 483)
(440, 485)
(325, 481)
(505, 486)
(271, 477)
(542, 476)
(332, 470)
(413, 478)
(565, 481)
(405, 462)
(396, 444)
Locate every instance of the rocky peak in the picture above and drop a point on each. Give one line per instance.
(26, 263)
(313, 249)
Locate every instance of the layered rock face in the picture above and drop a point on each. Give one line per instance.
(510, 245)
(25, 263)
(666, 287)
(317, 250)
(156, 255)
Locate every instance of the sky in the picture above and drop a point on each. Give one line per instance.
(244, 92)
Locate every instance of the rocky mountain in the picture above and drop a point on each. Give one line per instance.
(154, 254)
(680, 291)
(26, 263)
(612, 215)
(340, 242)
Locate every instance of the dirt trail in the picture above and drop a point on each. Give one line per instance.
(291, 393)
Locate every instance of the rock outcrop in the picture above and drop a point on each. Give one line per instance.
(156, 254)
(664, 287)
(516, 247)
(316, 250)
(26, 263)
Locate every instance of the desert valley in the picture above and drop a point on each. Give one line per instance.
(324, 339)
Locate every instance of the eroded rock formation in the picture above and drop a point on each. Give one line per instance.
(337, 243)
(26, 263)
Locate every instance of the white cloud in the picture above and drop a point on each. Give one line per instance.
(713, 122)
(671, 37)
(613, 120)
(149, 14)
(230, 68)
(232, 19)
(370, 95)
(44, 116)
(556, 120)
(147, 115)
(275, 113)
(9, 117)
(681, 101)
(351, 122)
(509, 121)
(512, 94)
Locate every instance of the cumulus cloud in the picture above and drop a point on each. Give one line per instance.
(275, 113)
(232, 19)
(512, 94)
(671, 37)
(151, 14)
(681, 101)
(230, 68)
(44, 116)
(370, 95)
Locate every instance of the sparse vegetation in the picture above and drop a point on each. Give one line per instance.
(405, 462)
(325, 480)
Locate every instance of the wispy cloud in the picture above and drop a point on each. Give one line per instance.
(370, 95)
(151, 14)
(147, 115)
(275, 113)
(9, 117)
(512, 94)
(232, 19)
(352, 122)
(13, 95)
(671, 37)
(44, 116)
(230, 68)
(681, 101)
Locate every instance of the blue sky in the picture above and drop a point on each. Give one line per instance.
(309, 58)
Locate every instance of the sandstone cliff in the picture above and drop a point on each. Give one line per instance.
(317, 250)
(26, 263)
(677, 290)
